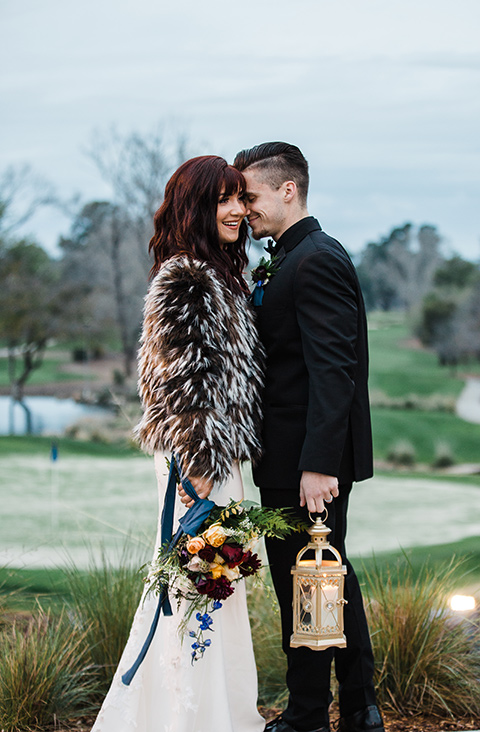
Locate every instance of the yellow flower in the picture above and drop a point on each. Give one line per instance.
(215, 535)
(216, 571)
(195, 544)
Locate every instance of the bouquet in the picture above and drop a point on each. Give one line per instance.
(204, 569)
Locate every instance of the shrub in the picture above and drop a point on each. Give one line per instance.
(402, 452)
(428, 403)
(44, 674)
(104, 600)
(443, 456)
(425, 662)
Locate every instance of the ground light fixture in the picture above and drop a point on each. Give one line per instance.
(462, 603)
(318, 594)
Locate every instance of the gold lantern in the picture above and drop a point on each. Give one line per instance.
(318, 594)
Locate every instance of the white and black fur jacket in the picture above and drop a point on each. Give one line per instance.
(200, 371)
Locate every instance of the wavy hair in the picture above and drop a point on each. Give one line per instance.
(186, 222)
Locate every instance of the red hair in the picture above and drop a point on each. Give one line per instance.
(186, 222)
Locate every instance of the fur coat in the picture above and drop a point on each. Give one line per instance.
(200, 371)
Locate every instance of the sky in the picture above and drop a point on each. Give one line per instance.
(382, 96)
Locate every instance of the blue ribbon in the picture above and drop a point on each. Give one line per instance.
(258, 292)
(189, 524)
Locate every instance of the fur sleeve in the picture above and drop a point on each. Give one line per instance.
(180, 369)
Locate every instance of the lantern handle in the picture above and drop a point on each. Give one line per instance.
(323, 520)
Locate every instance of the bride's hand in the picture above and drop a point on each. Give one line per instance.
(203, 486)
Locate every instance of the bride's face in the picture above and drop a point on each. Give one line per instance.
(231, 210)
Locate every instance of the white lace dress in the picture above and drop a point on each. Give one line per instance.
(218, 693)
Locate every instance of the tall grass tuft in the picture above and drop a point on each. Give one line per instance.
(44, 674)
(104, 600)
(427, 661)
(267, 641)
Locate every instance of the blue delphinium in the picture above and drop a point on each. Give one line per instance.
(205, 623)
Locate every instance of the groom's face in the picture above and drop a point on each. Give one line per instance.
(266, 207)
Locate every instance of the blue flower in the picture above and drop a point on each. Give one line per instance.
(206, 622)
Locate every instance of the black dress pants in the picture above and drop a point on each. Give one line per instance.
(308, 671)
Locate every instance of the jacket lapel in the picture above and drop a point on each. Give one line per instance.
(280, 256)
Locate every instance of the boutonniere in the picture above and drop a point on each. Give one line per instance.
(261, 276)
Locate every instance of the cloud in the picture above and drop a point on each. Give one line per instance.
(379, 95)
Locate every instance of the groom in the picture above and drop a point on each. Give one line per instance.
(316, 433)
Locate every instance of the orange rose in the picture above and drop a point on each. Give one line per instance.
(195, 544)
(215, 535)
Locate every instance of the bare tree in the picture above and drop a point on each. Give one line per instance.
(102, 257)
(398, 271)
(115, 234)
(137, 167)
(22, 193)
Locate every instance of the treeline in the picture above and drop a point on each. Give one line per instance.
(91, 294)
(407, 271)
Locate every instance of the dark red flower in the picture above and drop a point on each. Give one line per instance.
(261, 272)
(250, 566)
(207, 553)
(205, 586)
(233, 554)
(223, 589)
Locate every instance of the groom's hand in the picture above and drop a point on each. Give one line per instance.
(315, 489)
(202, 486)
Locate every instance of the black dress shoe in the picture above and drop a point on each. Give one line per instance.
(279, 725)
(366, 720)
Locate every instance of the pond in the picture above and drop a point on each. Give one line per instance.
(48, 414)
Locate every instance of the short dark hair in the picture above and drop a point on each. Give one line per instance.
(278, 161)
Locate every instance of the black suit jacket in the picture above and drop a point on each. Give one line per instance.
(312, 323)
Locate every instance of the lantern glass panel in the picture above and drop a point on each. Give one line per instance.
(329, 587)
(308, 605)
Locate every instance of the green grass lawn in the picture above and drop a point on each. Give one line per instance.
(50, 371)
(398, 369)
(22, 590)
(38, 446)
(104, 490)
(424, 430)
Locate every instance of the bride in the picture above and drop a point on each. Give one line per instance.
(200, 367)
